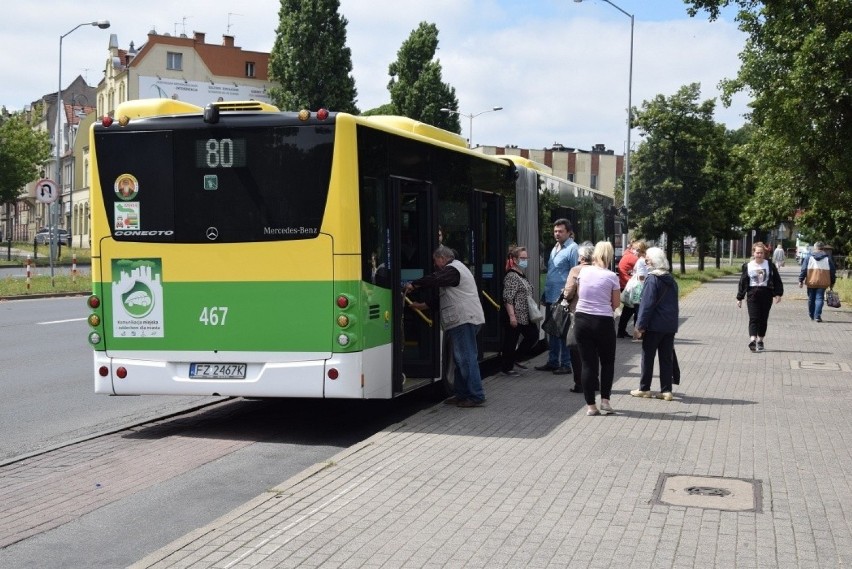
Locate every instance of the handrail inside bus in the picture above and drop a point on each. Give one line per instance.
(419, 312)
(491, 300)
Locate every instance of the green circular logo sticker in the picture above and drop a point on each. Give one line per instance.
(138, 301)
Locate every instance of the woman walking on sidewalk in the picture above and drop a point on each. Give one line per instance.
(594, 329)
(760, 283)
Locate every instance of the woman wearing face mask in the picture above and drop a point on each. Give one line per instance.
(515, 313)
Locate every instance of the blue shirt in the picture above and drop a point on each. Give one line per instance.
(558, 266)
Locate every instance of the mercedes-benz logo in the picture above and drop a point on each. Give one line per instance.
(212, 233)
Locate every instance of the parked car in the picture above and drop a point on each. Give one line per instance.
(43, 236)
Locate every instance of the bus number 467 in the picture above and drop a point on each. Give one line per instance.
(213, 315)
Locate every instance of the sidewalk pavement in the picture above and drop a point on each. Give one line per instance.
(749, 466)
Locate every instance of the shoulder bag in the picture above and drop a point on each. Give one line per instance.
(536, 315)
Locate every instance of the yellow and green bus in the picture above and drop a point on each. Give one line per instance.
(238, 250)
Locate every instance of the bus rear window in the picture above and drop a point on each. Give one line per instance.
(215, 184)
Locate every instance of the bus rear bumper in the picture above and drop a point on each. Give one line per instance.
(306, 378)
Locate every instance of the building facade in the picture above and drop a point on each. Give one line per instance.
(179, 67)
(597, 168)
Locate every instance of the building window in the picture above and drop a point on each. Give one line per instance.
(174, 61)
(594, 182)
(249, 68)
(570, 177)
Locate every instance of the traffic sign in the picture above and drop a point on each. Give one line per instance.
(46, 191)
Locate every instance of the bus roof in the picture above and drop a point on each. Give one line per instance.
(417, 127)
(139, 108)
(526, 163)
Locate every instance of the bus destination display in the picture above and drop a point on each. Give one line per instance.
(220, 153)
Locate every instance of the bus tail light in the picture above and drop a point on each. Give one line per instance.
(121, 372)
(103, 371)
(333, 373)
(106, 121)
(342, 301)
(322, 114)
(94, 338)
(94, 301)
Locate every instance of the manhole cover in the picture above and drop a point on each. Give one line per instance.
(710, 492)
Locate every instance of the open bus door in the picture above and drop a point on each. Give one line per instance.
(488, 267)
(416, 353)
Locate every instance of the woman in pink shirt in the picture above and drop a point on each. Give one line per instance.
(594, 329)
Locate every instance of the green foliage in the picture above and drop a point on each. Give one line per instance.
(676, 178)
(310, 59)
(416, 87)
(43, 284)
(386, 109)
(797, 65)
(23, 151)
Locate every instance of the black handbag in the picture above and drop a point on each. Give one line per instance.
(558, 319)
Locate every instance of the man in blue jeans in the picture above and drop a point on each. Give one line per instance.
(562, 259)
(461, 317)
(818, 273)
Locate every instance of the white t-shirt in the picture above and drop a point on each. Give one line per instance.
(758, 273)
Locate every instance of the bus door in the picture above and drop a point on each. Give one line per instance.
(489, 263)
(416, 333)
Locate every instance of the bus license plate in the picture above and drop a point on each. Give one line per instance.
(217, 371)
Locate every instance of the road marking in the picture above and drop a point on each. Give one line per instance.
(61, 321)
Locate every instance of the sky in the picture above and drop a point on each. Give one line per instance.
(559, 68)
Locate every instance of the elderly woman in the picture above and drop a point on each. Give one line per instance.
(599, 296)
(657, 324)
(571, 294)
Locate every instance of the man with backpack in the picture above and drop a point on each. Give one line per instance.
(818, 274)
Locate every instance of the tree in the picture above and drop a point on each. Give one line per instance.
(721, 207)
(416, 87)
(797, 65)
(23, 152)
(672, 174)
(310, 59)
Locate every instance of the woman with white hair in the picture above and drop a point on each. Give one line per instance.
(657, 324)
(571, 293)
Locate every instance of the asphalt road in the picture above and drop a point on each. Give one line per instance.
(48, 404)
(47, 380)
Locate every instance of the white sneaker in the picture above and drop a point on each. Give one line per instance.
(606, 409)
(667, 396)
(640, 393)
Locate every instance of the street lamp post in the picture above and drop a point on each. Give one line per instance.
(77, 116)
(629, 119)
(470, 118)
(53, 232)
